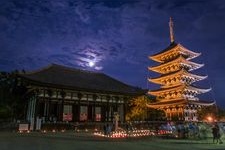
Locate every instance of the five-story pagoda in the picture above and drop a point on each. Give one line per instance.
(177, 95)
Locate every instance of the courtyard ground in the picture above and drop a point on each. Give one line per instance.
(87, 141)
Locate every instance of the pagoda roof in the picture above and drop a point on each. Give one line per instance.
(163, 104)
(200, 90)
(171, 48)
(181, 60)
(202, 103)
(179, 87)
(59, 76)
(176, 73)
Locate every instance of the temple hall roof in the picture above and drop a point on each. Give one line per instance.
(70, 78)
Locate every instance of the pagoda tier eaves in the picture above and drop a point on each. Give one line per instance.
(202, 103)
(170, 99)
(174, 47)
(181, 72)
(166, 104)
(177, 88)
(179, 60)
(199, 90)
(193, 54)
(178, 102)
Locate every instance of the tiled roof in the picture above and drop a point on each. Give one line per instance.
(179, 102)
(167, 103)
(71, 78)
(202, 102)
(182, 86)
(172, 45)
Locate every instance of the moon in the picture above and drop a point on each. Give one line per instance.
(91, 63)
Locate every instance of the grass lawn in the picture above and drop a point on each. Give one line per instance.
(87, 141)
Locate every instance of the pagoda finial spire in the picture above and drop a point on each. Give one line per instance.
(171, 30)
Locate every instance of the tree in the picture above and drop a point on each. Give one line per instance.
(221, 114)
(12, 93)
(205, 112)
(5, 96)
(138, 109)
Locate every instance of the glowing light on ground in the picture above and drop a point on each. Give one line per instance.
(124, 134)
(210, 119)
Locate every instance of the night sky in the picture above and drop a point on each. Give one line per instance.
(113, 37)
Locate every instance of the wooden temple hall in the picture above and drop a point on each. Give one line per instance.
(59, 93)
(177, 95)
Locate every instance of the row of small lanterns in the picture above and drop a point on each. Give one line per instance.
(124, 134)
(114, 134)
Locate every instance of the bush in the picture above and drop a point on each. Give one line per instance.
(4, 112)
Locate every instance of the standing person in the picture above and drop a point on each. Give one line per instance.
(218, 134)
(105, 129)
(215, 133)
(109, 129)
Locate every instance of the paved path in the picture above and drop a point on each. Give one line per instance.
(87, 141)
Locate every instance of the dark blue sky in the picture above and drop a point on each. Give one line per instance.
(118, 36)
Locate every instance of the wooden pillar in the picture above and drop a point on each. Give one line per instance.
(59, 111)
(107, 108)
(93, 111)
(125, 107)
(117, 99)
(45, 109)
(37, 105)
(76, 116)
(33, 117)
(79, 95)
(74, 112)
(28, 110)
(49, 112)
(89, 112)
(94, 107)
(45, 104)
(48, 107)
(111, 111)
(63, 94)
(37, 110)
(102, 106)
(89, 109)
(62, 109)
(103, 113)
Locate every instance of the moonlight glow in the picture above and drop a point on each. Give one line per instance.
(91, 63)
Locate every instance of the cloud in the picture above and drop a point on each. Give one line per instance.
(126, 31)
(92, 31)
(82, 12)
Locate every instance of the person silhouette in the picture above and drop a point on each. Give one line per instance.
(216, 134)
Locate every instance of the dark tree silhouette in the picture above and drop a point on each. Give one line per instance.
(12, 96)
